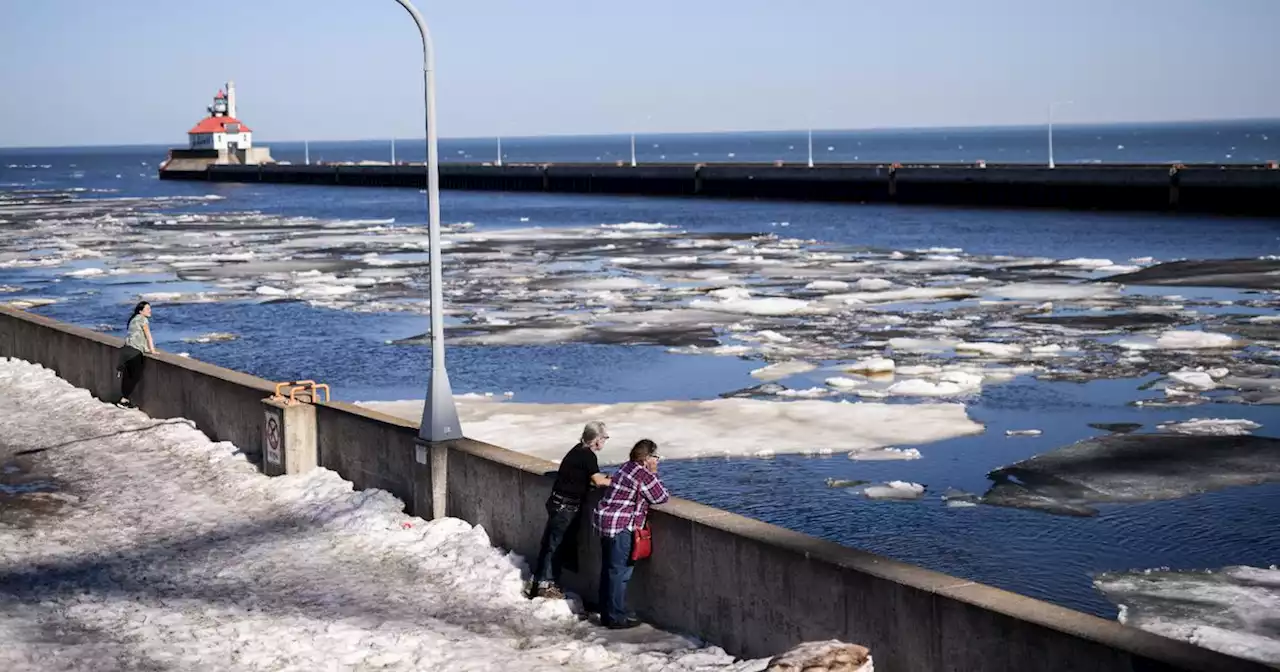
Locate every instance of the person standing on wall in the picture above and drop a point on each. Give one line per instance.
(137, 342)
(621, 512)
(579, 472)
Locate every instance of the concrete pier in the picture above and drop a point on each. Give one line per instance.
(753, 588)
(1234, 189)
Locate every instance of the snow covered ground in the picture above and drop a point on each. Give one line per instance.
(166, 550)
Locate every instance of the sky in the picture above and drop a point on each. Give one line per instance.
(95, 72)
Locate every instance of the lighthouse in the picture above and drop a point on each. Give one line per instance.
(224, 133)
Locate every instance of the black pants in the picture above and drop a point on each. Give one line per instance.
(561, 517)
(130, 369)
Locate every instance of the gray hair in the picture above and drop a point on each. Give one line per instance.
(592, 431)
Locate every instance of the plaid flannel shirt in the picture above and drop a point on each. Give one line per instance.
(626, 503)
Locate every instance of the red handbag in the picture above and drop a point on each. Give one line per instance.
(642, 543)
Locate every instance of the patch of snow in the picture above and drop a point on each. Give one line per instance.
(294, 572)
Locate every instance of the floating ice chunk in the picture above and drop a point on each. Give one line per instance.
(1082, 262)
(905, 294)
(871, 394)
(1142, 260)
(887, 453)
(773, 337)
(782, 370)
(990, 349)
(1193, 340)
(737, 300)
(1197, 379)
(1265, 319)
(948, 384)
(871, 365)
(637, 226)
(1230, 610)
(895, 490)
(1211, 427)
(86, 273)
(1219, 372)
(1117, 269)
(688, 429)
(827, 286)
(267, 290)
(1049, 350)
(917, 370)
(1031, 291)
(941, 250)
(872, 284)
(213, 337)
(920, 345)
(809, 393)
(844, 383)
(1022, 432)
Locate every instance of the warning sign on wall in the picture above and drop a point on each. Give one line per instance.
(273, 437)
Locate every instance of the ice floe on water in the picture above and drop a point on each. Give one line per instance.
(1232, 610)
(715, 428)
(764, 297)
(1212, 427)
(1121, 468)
(894, 490)
(171, 551)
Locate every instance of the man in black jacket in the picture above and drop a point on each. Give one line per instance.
(579, 472)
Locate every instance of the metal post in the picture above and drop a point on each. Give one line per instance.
(1051, 106)
(393, 151)
(499, 151)
(306, 151)
(633, 150)
(811, 148)
(439, 414)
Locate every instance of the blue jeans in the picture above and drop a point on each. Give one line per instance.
(550, 564)
(615, 573)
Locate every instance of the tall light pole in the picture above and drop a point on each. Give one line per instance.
(439, 414)
(633, 149)
(811, 148)
(1051, 106)
(393, 151)
(499, 151)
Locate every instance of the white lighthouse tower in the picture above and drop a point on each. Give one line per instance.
(224, 133)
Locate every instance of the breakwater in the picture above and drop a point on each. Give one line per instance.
(753, 588)
(1249, 190)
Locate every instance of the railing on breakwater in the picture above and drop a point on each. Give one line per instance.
(1226, 189)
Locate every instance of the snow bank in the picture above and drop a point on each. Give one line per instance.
(717, 427)
(177, 550)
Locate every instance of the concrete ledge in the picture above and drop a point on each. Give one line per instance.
(753, 588)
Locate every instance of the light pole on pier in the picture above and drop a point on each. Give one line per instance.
(1051, 106)
(811, 148)
(439, 414)
(499, 151)
(633, 149)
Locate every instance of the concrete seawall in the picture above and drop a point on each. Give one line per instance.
(754, 589)
(1200, 188)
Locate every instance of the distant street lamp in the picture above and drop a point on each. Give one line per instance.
(1051, 106)
(439, 414)
(633, 149)
(499, 151)
(811, 148)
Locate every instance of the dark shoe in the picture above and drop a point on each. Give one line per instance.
(624, 625)
(125, 403)
(550, 591)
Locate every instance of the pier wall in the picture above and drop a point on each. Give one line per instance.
(754, 589)
(1198, 188)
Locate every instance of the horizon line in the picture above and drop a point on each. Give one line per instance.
(871, 129)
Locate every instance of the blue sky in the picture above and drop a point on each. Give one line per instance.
(141, 71)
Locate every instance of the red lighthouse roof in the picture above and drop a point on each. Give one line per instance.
(221, 94)
(218, 125)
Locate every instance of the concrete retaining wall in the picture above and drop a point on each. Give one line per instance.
(754, 589)
(1200, 188)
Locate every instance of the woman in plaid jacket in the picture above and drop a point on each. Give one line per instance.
(621, 511)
